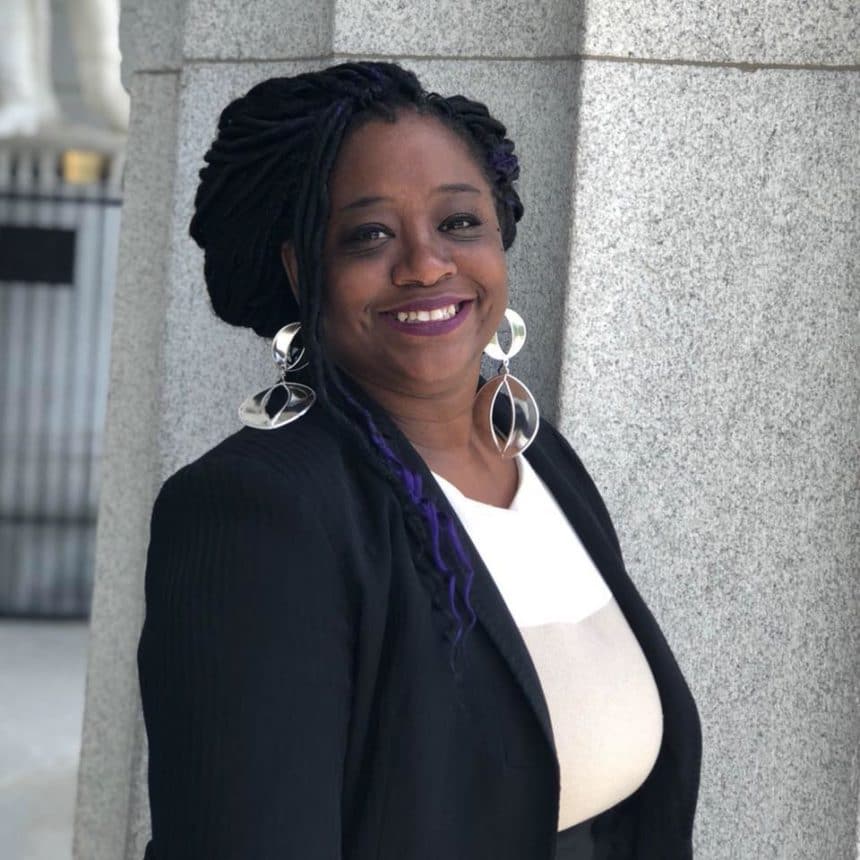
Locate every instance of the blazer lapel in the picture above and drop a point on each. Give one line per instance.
(492, 612)
(496, 619)
(579, 500)
(557, 468)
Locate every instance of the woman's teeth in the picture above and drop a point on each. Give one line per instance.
(427, 316)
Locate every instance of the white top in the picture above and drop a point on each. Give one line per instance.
(602, 700)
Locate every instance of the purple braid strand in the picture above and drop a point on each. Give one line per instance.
(433, 517)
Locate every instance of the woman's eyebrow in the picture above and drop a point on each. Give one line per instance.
(449, 188)
(457, 187)
(363, 202)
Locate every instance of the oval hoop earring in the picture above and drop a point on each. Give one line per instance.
(524, 420)
(284, 401)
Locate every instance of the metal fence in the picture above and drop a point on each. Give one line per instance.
(58, 247)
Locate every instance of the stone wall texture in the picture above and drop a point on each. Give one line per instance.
(688, 269)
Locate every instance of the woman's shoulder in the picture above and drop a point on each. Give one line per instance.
(304, 463)
(258, 528)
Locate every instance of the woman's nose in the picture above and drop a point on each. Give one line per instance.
(423, 261)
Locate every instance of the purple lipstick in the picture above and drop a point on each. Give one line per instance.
(430, 316)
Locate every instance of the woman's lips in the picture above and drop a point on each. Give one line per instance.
(429, 327)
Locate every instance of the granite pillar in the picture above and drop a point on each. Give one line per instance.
(710, 378)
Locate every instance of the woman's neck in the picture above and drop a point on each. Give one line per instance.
(440, 424)
(443, 429)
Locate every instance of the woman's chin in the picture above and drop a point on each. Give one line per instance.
(423, 381)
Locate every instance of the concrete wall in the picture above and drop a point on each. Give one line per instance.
(690, 177)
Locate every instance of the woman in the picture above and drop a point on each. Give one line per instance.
(370, 634)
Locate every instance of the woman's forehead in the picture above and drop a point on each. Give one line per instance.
(414, 152)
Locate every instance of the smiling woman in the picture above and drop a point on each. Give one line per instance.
(415, 283)
(376, 631)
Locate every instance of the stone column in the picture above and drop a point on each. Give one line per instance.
(686, 267)
(711, 382)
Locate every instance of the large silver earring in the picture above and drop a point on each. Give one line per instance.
(284, 401)
(524, 412)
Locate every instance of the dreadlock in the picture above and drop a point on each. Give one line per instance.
(266, 182)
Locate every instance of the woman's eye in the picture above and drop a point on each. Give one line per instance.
(369, 233)
(459, 222)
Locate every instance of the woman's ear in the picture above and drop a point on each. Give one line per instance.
(288, 258)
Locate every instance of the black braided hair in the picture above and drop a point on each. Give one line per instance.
(266, 182)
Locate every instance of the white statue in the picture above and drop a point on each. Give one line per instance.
(27, 99)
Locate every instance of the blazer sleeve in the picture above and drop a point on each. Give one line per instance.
(244, 664)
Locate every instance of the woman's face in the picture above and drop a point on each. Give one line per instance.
(414, 269)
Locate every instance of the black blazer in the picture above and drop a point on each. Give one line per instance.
(295, 674)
